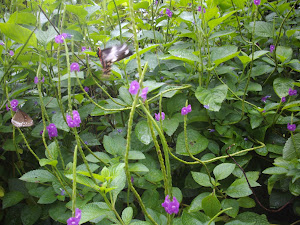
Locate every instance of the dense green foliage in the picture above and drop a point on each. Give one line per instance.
(236, 63)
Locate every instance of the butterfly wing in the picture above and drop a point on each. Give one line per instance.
(21, 119)
(110, 55)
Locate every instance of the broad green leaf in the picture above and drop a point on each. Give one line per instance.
(119, 180)
(195, 141)
(282, 85)
(260, 70)
(114, 145)
(143, 133)
(260, 53)
(48, 197)
(184, 55)
(30, 214)
(284, 53)
(44, 37)
(138, 167)
(78, 10)
(289, 150)
(211, 205)
(59, 122)
(141, 52)
(213, 98)
(53, 149)
(154, 176)
(251, 217)
(127, 215)
(18, 33)
(141, 5)
(246, 202)
(227, 203)
(221, 33)
(196, 204)
(152, 85)
(103, 157)
(275, 170)
(239, 188)
(223, 170)
(81, 179)
(294, 64)
(90, 139)
(291, 105)
(197, 218)
(38, 176)
(170, 125)
(51, 162)
(187, 16)
(125, 95)
(262, 29)
(11, 198)
(96, 210)
(215, 22)
(202, 179)
(22, 18)
(223, 54)
(294, 188)
(136, 155)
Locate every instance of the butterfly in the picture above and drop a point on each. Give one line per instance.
(21, 119)
(110, 55)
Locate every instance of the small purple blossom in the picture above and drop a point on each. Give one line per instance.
(134, 87)
(132, 179)
(200, 9)
(184, 111)
(211, 130)
(245, 139)
(52, 130)
(189, 108)
(283, 99)
(2, 43)
(43, 79)
(292, 92)
(59, 39)
(86, 143)
(157, 116)
(75, 220)
(14, 104)
(119, 131)
(74, 67)
(75, 121)
(264, 99)
(256, 2)
(7, 108)
(41, 132)
(291, 127)
(11, 53)
(272, 47)
(86, 89)
(169, 12)
(144, 93)
(161, 77)
(206, 106)
(36, 80)
(171, 206)
(62, 191)
(83, 48)
(156, 2)
(162, 12)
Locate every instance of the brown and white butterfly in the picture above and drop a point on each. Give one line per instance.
(21, 119)
(110, 55)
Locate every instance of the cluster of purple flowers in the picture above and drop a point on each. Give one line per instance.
(86, 89)
(171, 206)
(11, 53)
(169, 13)
(75, 122)
(74, 67)
(13, 104)
(200, 9)
(272, 48)
(157, 116)
(75, 220)
(36, 80)
(292, 92)
(186, 110)
(256, 2)
(60, 38)
(291, 127)
(83, 48)
(134, 88)
(52, 130)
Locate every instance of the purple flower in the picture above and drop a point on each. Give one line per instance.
(41, 132)
(256, 2)
(36, 80)
(211, 130)
(74, 67)
(2, 43)
(52, 130)
(156, 2)
(14, 104)
(86, 89)
(86, 143)
(157, 116)
(171, 206)
(291, 127)
(75, 121)
(292, 92)
(83, 49)
(161, 77)
(264, 99)
(75, 220)
(7, 108)
(206, 106)
(169, 13)
(62, 191)
(11, 53)
(134, 87)
(162, 12)
(144, 93)
(59, 39)
(43, 79)
(119, 130)
(245, 139)
(272, 47)
(132, 179)
(199, 9)
(283, 99)
(184, 111)
(189, 108)
(66, 35)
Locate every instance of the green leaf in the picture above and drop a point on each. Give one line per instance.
(213, 23)
(96, 210)
(284, 53)
(185, 55)
(196, 204)
(44, 162)
(154, 176)
(22, 18)
(136, 155)
(227, 203)
(223, 170)
(44, 37)
(246, 202)
(294, 64)
(260, 53)
(275, 170)
(11, 198)
(114, 145)
(282, 85)
(170, 125)
(211, 205)
(101, 155)
(142, 132)
(48, 197)
(141, 52)
(138, 167)
(53, 149)
(289, 150)
(127, 215)
(223, 54)
(239, 188)
(90, 139)
(119, 180)
(18, 33)
(260, 70)
(196, 143)
(125, 95)
(38, 176)
(262, 29)
(249, 217)
(291, 105)
(197, 218)
(30, 214)
(78, 10)
(59, 122)
(141, 5)
(213, 98)
(202, 179)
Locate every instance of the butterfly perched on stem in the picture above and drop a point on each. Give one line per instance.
(21, 119)
(110, 55)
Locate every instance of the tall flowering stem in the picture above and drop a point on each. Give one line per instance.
(74, 179)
